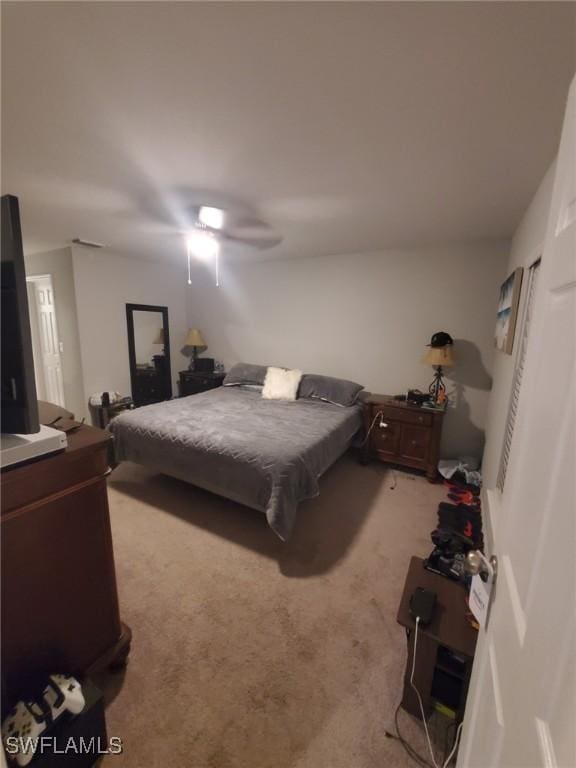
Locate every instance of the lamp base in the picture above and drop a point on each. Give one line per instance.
(437, 388)
(192, 363)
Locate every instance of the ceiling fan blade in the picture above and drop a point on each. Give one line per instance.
(261, 241)
(251, 231)
(238, 226)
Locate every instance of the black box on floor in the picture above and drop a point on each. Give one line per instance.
(75, 741)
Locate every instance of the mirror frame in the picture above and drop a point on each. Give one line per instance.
(130, 309)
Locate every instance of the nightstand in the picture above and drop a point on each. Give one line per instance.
(402, 434)
(194, 382)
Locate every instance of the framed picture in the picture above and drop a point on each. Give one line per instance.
(508, 311)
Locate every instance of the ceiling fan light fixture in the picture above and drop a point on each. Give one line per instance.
(214, 227)
(211, 217)
(202, 244)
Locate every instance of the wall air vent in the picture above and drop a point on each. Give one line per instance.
(87, 243)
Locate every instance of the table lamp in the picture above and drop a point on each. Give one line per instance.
(193, 344)
(439, 356)
(160, 359)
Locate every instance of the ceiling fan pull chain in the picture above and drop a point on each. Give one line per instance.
(188, 256)
(217, 265)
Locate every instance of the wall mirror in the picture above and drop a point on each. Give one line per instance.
(149, 353)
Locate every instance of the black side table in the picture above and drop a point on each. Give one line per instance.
(446, 646)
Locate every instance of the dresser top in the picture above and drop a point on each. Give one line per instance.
(203, 374)
(449, 626)
(388, 400)
(86, 438)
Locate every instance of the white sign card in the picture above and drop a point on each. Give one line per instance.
(479, 600)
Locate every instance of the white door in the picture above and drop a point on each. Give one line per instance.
(34, 331)
(521, 710)
(48, 347)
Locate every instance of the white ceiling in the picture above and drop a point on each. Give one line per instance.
(348, 126)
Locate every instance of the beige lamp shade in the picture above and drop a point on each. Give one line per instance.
(159, 337)
(195, 340)
(439, 356)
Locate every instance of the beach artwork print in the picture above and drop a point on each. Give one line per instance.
(508, 311)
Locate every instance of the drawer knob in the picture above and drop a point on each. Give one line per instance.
(420, 419)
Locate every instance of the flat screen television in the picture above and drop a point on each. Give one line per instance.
(19, 414)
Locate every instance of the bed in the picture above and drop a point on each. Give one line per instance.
(266, 454)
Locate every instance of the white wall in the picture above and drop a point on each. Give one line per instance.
(105, 283)
(364, 317)
(58, 263)
(527, 245)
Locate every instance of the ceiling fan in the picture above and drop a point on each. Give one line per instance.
(214, 226)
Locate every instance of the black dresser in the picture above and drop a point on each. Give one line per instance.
(194, 382)
(150, 385)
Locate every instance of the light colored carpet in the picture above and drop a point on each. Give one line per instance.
(251, 653)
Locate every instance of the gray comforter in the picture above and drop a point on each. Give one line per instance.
(267, 454)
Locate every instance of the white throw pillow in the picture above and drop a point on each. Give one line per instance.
(281, 384)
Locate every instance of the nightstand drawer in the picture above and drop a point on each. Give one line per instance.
(197, 386)
(401, 414)
(192, 383)
(204, 383)
(415, 442)
(386, 439)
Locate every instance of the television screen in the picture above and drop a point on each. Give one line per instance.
(19, 413)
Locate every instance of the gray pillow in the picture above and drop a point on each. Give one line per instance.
(245, 373)
(337, 391)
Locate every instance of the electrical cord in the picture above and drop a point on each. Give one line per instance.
(446, 736)
(455, 746)
(378, 415)
(406, 744)
(412, 753)
(417, 692)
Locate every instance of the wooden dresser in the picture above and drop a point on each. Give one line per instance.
(402, 434)
(59, 600)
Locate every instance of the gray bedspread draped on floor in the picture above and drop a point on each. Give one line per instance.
(266, 454)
